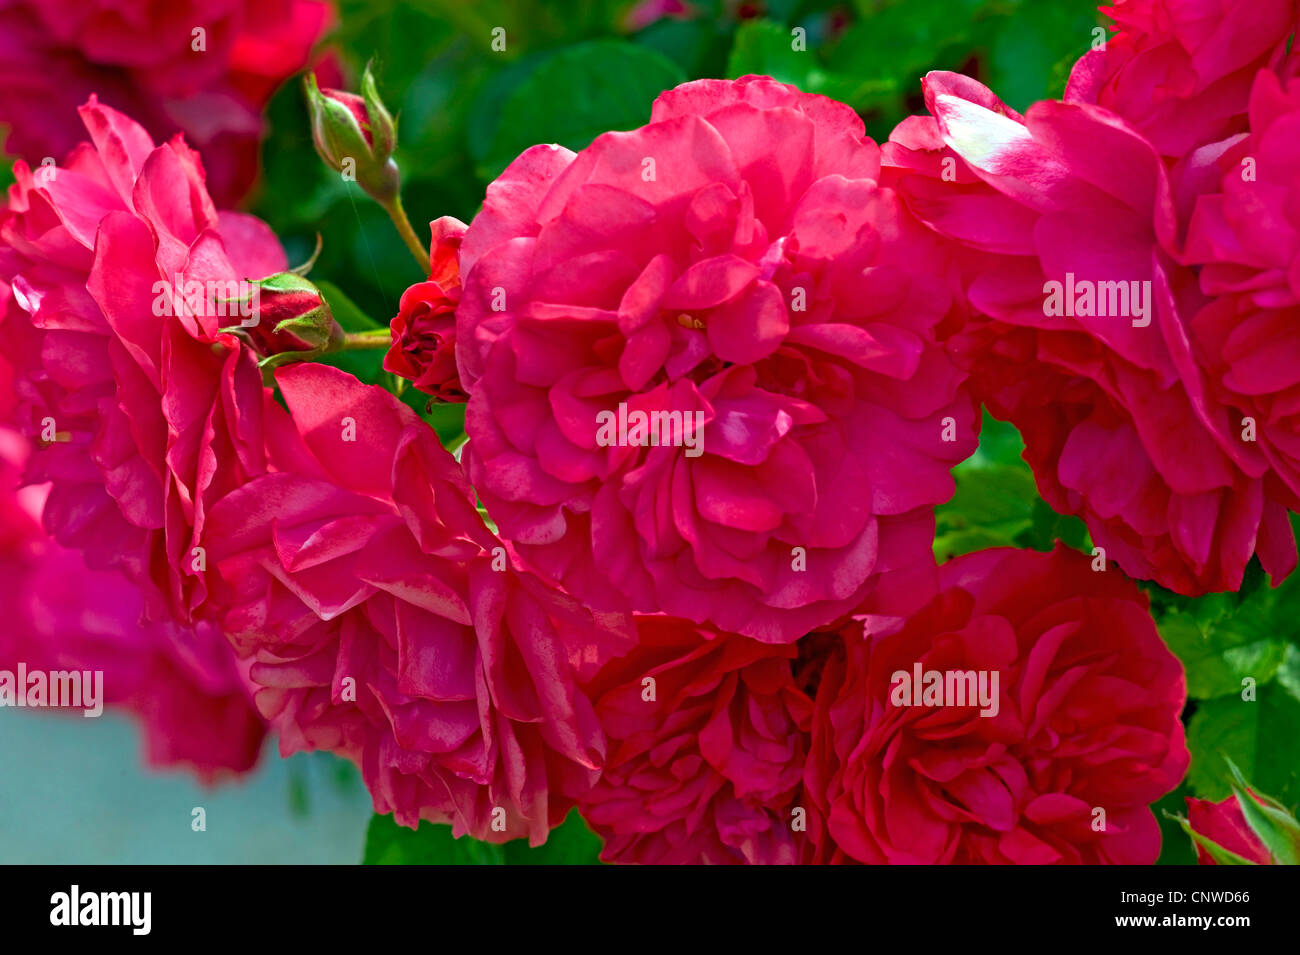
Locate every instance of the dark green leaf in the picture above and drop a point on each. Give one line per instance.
(576, 94)
(1261, 736)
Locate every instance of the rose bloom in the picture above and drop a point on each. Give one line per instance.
(386, 624)
(424, 330)
(1179, 71)
(780, 303)
(705, 765)
(182, 685)
(1118, 422)
(143, 418)
(1244, 240)
(140, 57)
(1224, 824)
(1087, 718)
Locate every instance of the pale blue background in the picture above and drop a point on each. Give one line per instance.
(74, 790)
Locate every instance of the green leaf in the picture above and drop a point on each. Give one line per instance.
(1000, 443)
(905, 39)
(996, 503)
(698, 46)
(764, 47)
(991, 508)
(1218, 657)
(768, 48)
(574, 95)
(570, 843)
(1029, 44)
(1223, 639)
(1276, 828)
(1261, 736)
(387, 843)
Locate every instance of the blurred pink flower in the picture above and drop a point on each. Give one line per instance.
(147, 60)
(183, 685)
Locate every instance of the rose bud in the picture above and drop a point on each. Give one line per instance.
(355, 135)
(1220, 826)
(288, 314)
(424, 331)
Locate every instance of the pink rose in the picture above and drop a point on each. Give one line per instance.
(145, 410)
(1179, 71)
(385, 623)
(705, 762)
(1069, 204)
(1244, 241)
(182, 684)
(1055, 762)
(145, 59)
(772, 314)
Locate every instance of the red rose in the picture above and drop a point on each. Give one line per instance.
(705, 762)
(1057, 762)
(424, 331)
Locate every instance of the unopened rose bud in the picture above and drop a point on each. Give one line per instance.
(291, 316)
(355, 135)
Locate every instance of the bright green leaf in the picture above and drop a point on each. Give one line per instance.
(1261, 736)
(387, 843)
